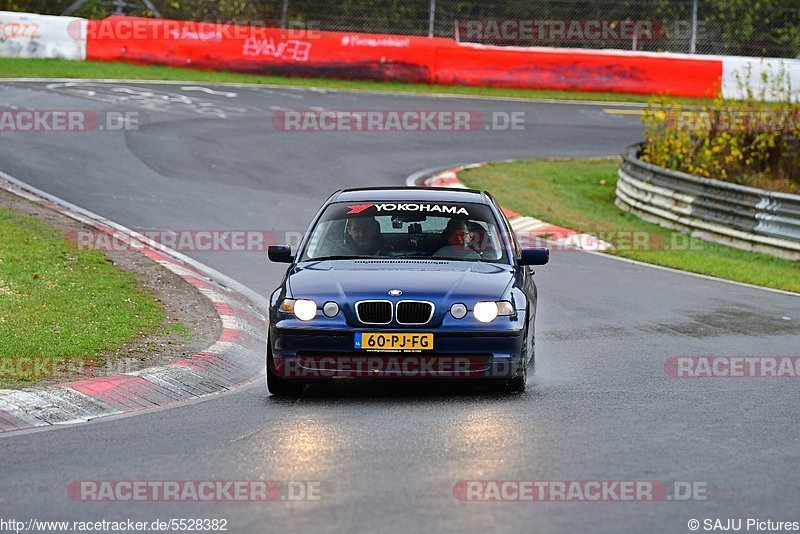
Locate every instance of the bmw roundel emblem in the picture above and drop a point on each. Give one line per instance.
(395, 293)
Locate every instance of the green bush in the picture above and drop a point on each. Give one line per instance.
(753, 141)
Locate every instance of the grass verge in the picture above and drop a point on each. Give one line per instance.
(59, 68)
(579, 194)
(60, 306)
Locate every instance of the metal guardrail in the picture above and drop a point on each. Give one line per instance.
(731, 214)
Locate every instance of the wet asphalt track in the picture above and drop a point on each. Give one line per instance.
(600, 406)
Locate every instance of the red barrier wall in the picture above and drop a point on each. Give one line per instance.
(578, 71)
(393, 57)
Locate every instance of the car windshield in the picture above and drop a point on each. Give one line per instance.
(411, 230)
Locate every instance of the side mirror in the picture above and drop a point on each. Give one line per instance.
(534, 256)
(280, 253)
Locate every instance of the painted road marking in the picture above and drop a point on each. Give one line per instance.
(147, 98)
(209, 91)
(624, 111)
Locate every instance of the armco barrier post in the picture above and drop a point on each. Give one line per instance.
(431, 17)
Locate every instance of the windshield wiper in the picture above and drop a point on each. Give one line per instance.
(334, 257)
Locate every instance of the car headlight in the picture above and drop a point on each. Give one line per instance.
(303, 309)
(486, 312)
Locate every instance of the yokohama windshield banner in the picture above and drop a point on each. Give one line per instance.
(25, 35)
(260, 50)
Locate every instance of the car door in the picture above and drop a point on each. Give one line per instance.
(523, 279)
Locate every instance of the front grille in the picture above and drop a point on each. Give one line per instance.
(414, 312)
(374, 311)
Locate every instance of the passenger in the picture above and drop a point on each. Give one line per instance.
(480, 241)
(457, 233)
(456, 240)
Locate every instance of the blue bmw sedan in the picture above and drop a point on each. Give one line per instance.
(392, 283)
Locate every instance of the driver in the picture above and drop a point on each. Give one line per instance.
(363, 237)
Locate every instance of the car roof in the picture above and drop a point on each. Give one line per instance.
(410, 194)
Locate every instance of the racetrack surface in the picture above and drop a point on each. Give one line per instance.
(600, 406)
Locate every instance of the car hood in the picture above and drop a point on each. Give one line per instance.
(343, 280)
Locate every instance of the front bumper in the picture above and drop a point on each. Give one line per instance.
(319, 354)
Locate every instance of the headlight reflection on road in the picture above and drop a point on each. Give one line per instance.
(486, 429)
(305, 448)
(480, 438)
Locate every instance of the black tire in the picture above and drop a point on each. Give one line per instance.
(518, 383)
(281, 387)
(532, 362)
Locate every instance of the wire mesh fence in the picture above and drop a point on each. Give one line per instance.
(725, 27)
